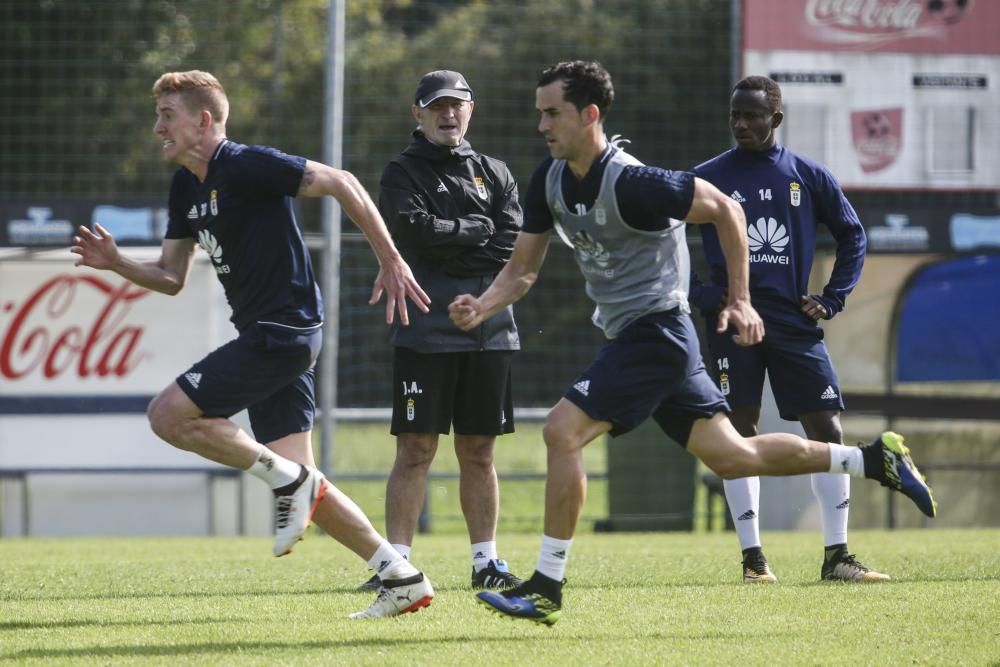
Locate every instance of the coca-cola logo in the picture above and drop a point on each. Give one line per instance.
(874, 22)
(47, 334)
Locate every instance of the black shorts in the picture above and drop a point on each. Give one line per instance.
(267, 370)
(653, 368)
(797, 363)
(471, 390)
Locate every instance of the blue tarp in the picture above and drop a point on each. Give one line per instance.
(949, 327)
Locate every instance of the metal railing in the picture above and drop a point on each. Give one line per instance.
(211, 474)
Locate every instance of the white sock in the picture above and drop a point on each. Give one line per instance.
(276, 470)
(833, 493)
(403, 549)
(743, 496)
(482, 554)
(390, 564)
(552, 557)
(845, 459)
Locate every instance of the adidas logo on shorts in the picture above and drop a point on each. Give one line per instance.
(193, 378)
(828, 393)
(583, 386)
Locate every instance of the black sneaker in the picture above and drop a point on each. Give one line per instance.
(496, 575)
(373, 584)
(755, 568)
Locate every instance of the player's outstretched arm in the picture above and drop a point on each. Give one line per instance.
(712, 206)
(166, 275)
(394, 278)
(513, 282)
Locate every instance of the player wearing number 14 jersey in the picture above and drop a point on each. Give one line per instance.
(785, 197)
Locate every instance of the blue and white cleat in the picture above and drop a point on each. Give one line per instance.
(901, 474)
(520, 602)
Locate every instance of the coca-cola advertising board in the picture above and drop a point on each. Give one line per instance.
(889, 94)
(82, 352)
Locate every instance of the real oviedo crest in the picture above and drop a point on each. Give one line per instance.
(480, 187)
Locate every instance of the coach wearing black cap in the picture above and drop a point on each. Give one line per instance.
(454, 214)
(442, 83)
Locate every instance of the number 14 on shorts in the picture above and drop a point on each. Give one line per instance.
(723, 363)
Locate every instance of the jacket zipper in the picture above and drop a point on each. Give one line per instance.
(482, 327)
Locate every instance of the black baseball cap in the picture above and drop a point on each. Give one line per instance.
(442, 83)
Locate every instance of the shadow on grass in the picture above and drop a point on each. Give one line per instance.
(112, 595)
(379, 643)
(8, 626)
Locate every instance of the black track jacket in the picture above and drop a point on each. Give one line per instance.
(454, 215)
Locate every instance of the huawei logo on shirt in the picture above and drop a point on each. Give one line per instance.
(767, 235)
(211, 246)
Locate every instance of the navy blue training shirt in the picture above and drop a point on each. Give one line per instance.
(785, 197)
(242, 217)
(648, 197)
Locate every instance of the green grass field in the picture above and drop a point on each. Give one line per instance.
(370, 448)
(967, 498)
(632, 599)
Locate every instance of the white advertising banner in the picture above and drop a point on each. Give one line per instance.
(83, 351)
(889, 94)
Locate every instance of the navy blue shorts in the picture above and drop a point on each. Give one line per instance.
(268, 370)
(653, 368)
(470, 389)
(797, 364)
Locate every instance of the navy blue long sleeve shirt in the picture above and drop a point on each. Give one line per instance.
(785, 197)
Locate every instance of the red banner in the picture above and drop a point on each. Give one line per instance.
(884, 26)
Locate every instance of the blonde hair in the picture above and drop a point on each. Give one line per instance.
(199, 90)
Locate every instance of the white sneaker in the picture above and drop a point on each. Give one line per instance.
(399, 596)
(294, 512)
